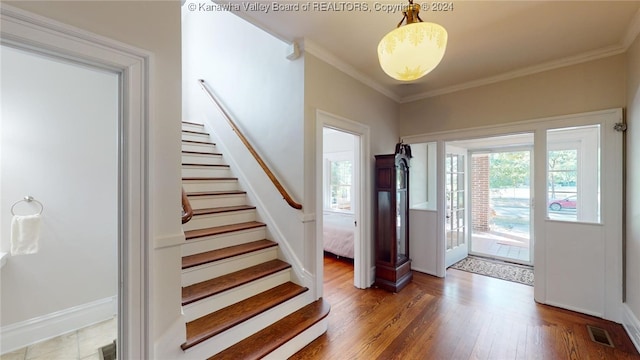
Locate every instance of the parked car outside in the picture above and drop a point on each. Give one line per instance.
(566, 203)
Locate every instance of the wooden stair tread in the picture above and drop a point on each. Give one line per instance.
(191, 123)
(198, 142)
(222, 209)
(220, 254)
(217, 230)
(195, 132)
(206, 165)
(201, 290)
(200, 153)
(208, 178)
(214, 193)
(267, 340)
(212, 324)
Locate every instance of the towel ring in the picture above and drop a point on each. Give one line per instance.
(27, 199)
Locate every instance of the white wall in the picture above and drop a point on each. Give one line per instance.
(590, 86)
(423, 176)
(423, 247)
(423, 216)
(59, 145)
(153, 26)
(337, 142)
(332, 91)
(633, 182)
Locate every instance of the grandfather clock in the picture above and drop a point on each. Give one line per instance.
(391, 216)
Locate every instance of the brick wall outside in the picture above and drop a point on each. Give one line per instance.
(481, 209)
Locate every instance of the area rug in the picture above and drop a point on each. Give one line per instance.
(497, 269)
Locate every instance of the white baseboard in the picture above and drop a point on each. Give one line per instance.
(25, 333)
(425, 271)
(574, 308)
(167, 345)
(631, 325)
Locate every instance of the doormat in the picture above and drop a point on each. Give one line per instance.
(498, 269)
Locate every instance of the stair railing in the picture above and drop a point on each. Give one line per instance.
(265, 168)
(187, 211)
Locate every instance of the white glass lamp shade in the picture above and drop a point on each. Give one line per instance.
(412, 51)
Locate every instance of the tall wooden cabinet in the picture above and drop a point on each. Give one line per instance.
(391, 216)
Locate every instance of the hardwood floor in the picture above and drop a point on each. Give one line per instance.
(466, 316)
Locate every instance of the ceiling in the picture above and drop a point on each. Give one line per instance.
(488, 41)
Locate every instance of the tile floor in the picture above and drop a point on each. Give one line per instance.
(82, 344)
(500, 247)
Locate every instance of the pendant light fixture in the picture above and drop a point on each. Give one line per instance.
(411, 51)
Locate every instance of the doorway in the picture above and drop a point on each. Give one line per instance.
(339, 152)
(499, 195)
(34, 34)
(75, 266)
(501, 205)
(342, 188)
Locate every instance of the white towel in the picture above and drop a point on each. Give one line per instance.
(25, 233)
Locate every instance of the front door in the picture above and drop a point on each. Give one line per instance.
(455, 227)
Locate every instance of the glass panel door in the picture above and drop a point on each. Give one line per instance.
(455, 208)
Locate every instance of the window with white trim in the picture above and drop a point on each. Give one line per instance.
(573, 174)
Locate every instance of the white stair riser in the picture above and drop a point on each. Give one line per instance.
(220, 219)
(207, 202)
(209, 185)
(296, 344)
(205, 171)
(216, 269)
(232, 296)
(193, 127)
(208, 243)
(208, 148)
(202, 159)
(195, 137)
(242, 331)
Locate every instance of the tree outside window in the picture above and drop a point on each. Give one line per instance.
(563, 172)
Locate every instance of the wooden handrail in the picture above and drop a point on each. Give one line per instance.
(187, 211)
(265, 168)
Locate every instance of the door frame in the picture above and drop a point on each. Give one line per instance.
(35, 33)
(363, 273)
(461, 252)
(613, 250)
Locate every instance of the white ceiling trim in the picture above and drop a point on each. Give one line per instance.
(335, 61)
(632, 31)
(331, 59)
(308, 45)
(551, 65)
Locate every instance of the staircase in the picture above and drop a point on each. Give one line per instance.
(238, 296)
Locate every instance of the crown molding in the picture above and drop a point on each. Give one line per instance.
(326, 56)
(551, 65)
(309, 46)
(632, 31)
